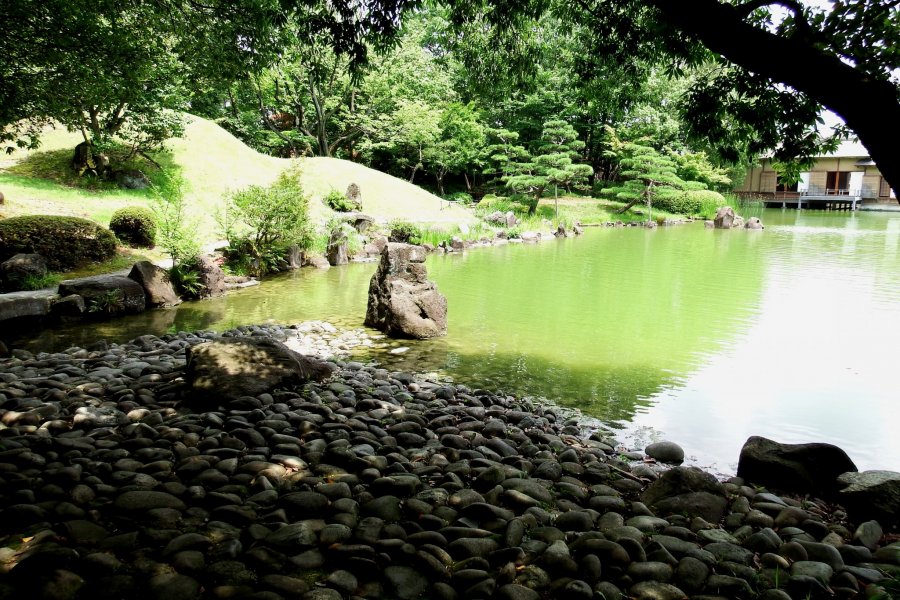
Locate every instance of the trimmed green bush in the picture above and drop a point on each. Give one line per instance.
(135, 226)
(66, 242)
(689, 202)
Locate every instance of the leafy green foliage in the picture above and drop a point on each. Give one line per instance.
(185, 278)
(176, 233)
(647, 175)
(337, 201)
(261, 222)
(34, 282)
(404, 232)
(553, 166)
(108, 303)
(66, 242)
(134, 225)
(690, 202)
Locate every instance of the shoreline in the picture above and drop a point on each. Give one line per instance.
(372, 485)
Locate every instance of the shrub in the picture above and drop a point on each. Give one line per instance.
(66, 242)
(404, 232)
(177, 232)
(337, 201)
(134, 225)
(262, 222)
(461, 197)
(689, 202)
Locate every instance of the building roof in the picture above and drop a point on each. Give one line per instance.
(851, 148)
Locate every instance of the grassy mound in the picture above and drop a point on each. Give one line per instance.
(212, 162)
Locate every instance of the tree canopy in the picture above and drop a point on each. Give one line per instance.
(766, 79)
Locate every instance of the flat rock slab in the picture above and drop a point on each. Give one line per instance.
(233, 367)
(873, 494)
(102, 290)
(25, 304)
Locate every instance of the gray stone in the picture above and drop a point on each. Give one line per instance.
(131, 179)
(809, 568)
(294, 536)
(25, 304)
(872, 495)
(211, 277)
(825, 553)
(753, 223)
(337, 252)
(107, 294)
(514, 591)
(155, 281)
(654, 590)
(691, 574)
(405, 583)
(141, 501)
(724, 218)
(402, 301)
(688, 491)
(804, 468)
(667, 452)
(14, 271)
(233, 367)
(868, 534)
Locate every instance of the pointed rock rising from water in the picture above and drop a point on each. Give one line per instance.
(402, 301)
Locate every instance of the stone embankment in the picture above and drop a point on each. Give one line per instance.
(373, 484)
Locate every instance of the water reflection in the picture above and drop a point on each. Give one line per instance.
(704, 337)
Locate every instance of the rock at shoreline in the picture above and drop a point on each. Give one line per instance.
(233, 367)
(402, 301)
(689, 491)
(872, 495)
(337, 252)
(155, 281)
(667, 452)
(15, 270)
(212, 278)
(107, 294)
(724, 218)
(803, 468)
(374, 484)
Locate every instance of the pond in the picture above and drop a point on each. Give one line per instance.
(699, 336)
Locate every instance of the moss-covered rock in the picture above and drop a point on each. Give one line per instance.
(66, 242)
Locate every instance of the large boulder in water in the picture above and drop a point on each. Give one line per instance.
(402, 301)
(724, 218)
(155, 281)
(229, 368)
(338, 248)
(872, 495)
(803, 468)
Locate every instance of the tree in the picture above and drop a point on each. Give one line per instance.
(459, 148)
(769, 81)
(102, 66)
(554, 165)
(646, 174)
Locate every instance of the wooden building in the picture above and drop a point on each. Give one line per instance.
(847, 173)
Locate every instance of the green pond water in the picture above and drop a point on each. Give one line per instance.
(699, 336)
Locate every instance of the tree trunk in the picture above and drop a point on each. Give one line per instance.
(871, 108)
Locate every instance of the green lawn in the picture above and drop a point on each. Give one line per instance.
(212, 163)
